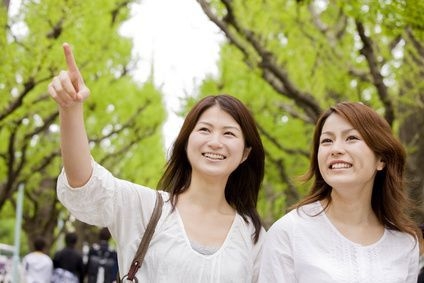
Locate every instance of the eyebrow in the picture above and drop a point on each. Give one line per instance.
(237, 128)
(343, 132)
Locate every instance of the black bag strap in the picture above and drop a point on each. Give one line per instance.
(145, 241)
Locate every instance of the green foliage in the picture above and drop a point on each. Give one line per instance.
(289, 60)
(123, 118)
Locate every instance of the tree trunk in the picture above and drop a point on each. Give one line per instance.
(6, 3)
(412, 136)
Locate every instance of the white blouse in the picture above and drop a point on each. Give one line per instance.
(303, 248)
(125, 208)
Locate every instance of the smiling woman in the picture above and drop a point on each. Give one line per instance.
(354, 223)
(209, 229)
(346, 162)
(216, 145)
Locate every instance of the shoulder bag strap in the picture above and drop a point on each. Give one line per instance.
(144, 244)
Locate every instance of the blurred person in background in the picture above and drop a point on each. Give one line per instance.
(67, 263)
(102, 264)
(38, 266)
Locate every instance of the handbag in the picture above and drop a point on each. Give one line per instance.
(144, 243)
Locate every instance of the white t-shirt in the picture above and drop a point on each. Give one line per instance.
(303, 248)
(38, 267)
(125, 208)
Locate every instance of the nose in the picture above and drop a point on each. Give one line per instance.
(215, 141)
(337, 148)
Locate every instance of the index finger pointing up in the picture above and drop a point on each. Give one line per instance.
(70, 62)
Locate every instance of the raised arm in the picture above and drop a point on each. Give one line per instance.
(69, 91)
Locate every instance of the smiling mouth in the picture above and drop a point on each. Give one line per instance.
(340, 166)
(214, 156)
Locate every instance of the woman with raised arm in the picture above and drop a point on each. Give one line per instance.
(353, 226)
(209, 230)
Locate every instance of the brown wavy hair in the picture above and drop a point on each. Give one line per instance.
(389, 199)
(242, 188)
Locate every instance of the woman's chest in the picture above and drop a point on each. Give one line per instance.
(172, 252)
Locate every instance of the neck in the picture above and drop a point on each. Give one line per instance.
(351, 212)
(206, 195)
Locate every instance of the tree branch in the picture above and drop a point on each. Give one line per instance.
(277, 144)
(267, 64)
(291, 192)
(368, 52)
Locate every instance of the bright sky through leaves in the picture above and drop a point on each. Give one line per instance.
(182, 44)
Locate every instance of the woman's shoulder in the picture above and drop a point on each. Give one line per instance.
(398, 237)
(399, 243)
(302, 212)
(243, 222)
(297, 218)
(243, 226)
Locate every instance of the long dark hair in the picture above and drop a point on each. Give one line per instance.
(389, 199)
(242, 188)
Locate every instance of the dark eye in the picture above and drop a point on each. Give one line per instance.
(350, 138)
(203, 129)
(324, 141)
(229, 133)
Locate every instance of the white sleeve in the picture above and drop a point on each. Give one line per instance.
(413, 269)
(257, 255)
(277, 255)
(106, 200)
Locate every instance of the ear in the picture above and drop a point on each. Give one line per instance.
(380, 165)
(246, 154)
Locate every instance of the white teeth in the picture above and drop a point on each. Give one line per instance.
(340, 165)
(214, 156)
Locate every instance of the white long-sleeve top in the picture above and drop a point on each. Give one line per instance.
(303, 248)
(125, 208)
(38, 267)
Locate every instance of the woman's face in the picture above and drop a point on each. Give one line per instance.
(216, 145)
(344, 159)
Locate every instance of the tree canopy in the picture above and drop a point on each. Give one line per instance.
(290, 60)
(123, 118)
